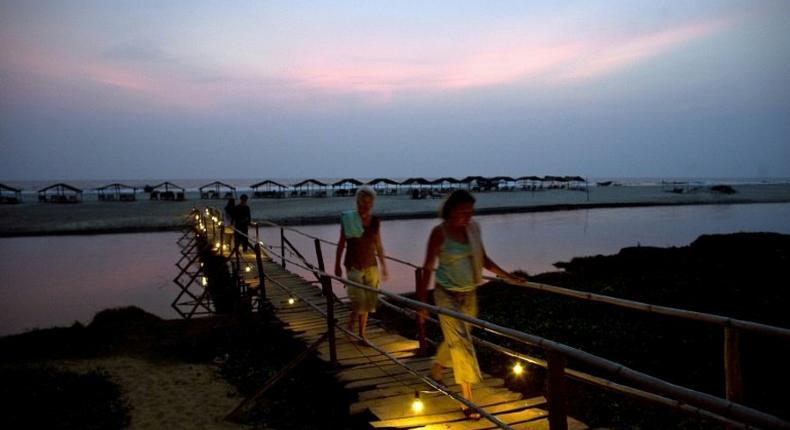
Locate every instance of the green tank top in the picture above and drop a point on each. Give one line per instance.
(455, 272)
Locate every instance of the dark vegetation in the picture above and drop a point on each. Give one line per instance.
(744, 276)
(247, 350)
(44, 397)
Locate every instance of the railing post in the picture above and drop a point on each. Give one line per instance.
(257, 232)
(420, 319)
(221, 238)
(558, 402)
(733, 382)
(261, 286)
(326, 288)
(282, 245)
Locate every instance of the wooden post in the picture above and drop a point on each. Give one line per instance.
(420, 318)
(261, 286)
(282, 245)
(214, 231)
(555, 393)
(732, 365)
(257, 232)
(221, 238)
(326, 288)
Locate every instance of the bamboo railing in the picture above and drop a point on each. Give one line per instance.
(726, 410)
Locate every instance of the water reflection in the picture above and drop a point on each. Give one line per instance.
(58, 280)
(535, 241)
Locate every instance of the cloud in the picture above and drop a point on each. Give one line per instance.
(137, 51)
(612, 56)
(490, 61)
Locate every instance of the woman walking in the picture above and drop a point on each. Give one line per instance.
(457, 245)
(359, 230)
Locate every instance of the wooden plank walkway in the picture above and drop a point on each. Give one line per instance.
(383, 387)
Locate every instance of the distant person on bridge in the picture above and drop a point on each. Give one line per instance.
(241, 221)
(457, 244)
(230, 208)
(359, 230)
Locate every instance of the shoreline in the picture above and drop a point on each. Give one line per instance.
(144, 216)
(327, 219)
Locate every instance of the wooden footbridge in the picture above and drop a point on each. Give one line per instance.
(391, 374)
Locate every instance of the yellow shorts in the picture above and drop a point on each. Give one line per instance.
(363, 300)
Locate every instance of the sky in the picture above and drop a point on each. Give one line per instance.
(291, 89)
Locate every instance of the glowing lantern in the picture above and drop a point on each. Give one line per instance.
(416, 405)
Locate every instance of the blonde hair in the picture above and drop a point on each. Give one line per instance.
(365, 191)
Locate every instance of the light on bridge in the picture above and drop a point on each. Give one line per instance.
(518, 369)
(416, 405)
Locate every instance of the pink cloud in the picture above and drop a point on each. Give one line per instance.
(381, 79)
(117, 77)
(615, 55)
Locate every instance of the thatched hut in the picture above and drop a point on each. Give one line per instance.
(445, 184)
(345, 187)
(576, 183)
(555, 181)
(476, 183)
(60, 193)
(503, 183)
(309, 187)
(268, 189)
(416, 187)
(117, 193)
(215, 189)
(530, 183)
(10, 195)
(384, 185)
(167, 191)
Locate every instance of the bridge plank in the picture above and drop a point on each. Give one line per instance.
(459, 421)
(400, 406)
(387, 390)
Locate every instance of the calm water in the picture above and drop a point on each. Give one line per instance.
(58, 280)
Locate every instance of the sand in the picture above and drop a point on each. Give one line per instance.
(172, 396)
(90, 216)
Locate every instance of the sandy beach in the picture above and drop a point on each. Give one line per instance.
(93, 217)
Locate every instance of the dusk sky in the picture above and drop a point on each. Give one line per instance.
(268, 89)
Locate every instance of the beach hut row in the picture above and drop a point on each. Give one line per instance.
(417, 187)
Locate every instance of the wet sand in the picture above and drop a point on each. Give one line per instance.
(94, 217)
